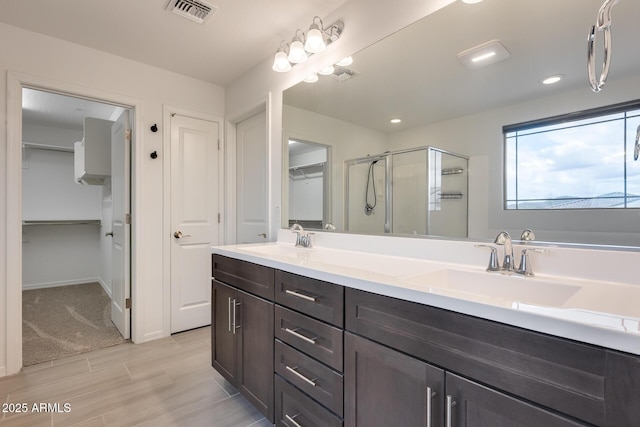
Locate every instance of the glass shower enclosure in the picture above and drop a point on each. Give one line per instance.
(416, 191)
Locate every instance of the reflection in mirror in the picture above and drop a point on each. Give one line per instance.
(415, 191)
(415, 74)
(308, 167)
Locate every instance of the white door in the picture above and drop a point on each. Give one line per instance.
(120, 179)
(251, 179)
(194, 219)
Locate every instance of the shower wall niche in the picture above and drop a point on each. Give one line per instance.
(417, 191)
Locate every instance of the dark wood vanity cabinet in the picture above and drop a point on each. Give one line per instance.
(494, 374)
(242, 330)
(311, 353)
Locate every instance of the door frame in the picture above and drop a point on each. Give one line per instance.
(16, 81)
(274, 166)
(167, 112)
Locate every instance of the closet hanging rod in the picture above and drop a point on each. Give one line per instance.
(308, 165)
(32, 146)
(63, 222)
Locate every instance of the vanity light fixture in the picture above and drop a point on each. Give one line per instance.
(311, 78)
(484, 54)
(297, 53)
(303, 45)
(471, 1)
(327, 70)
(281, 62)
(552, 79)
(315, 40)
(345, 62)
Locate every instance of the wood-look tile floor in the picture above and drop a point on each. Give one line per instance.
(167, 382)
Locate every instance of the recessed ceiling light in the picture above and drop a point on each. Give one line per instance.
(484, 54)
(395, 121)
(552, 79)
(471, 1)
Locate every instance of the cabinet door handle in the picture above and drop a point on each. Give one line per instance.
(430, 395)
(295, 333)
(229, 309)
(291, 420)
(450, 404)
(235, 325)
(299, 375)
(299, 295)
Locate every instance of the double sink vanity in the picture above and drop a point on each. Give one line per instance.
(382, 331)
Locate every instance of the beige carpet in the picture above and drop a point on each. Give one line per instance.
(65, 320)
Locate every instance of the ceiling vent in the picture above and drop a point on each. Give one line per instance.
(195, 10)
(341, 74)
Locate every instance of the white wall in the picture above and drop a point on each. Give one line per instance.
(113, 78)
(346, 141)
(480, 137)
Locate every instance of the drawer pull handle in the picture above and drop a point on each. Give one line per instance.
(291, 420)
(299, 375)
(295, 333)
(299, 295)
(450, 404)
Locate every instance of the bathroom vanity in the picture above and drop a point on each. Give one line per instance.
(329, 337)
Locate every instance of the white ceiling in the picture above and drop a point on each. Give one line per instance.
(241, 33)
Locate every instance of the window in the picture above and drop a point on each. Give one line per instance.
(576, 161)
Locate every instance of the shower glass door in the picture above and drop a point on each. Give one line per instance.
(367, 195)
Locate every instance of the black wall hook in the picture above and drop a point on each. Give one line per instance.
(154, 128)
(154, 155)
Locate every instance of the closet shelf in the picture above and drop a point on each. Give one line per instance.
(45, 147)
(63, 222)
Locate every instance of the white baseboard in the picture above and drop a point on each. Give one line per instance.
(26, 287)
(104, 286)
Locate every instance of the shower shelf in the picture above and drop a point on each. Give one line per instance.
(452, 171)
(450, 196)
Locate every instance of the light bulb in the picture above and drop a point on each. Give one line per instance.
(327, 70)
(314, 43)
(296, 52)
(281, 63)
(345, 61)
(311, 78)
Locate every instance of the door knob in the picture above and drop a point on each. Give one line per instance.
(108, 234)
(178, 234)
(262, 235)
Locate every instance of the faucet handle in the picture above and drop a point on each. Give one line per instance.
(525, 264)
(527, 235)
(493, 258)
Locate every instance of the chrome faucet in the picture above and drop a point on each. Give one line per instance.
(303, 238)
(504, 239)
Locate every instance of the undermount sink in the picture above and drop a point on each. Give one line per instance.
(490, 285)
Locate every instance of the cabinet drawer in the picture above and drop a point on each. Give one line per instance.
(318, 381)
(322, 300)
(295, 409)
(317, 339)
(566, 376)
(253, 278)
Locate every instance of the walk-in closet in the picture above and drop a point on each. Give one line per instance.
(67, 223)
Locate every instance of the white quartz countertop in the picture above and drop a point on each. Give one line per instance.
(604, 313)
